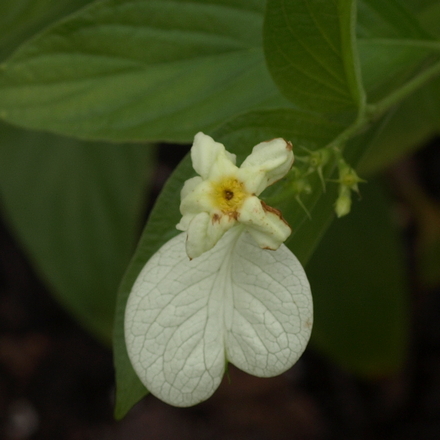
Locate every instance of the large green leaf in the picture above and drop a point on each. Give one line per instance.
(20, 19)
(75, 207)
(429, 16)
(359, 289)
(239, 135)
(388, 63)
(310, 50)
(417, 6)
(302, 127)
(158, 69)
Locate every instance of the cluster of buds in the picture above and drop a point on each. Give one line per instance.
(315, 162)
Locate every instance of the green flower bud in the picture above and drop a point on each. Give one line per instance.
(316, 160)
(343, 202)
(348, 176)
(319, 158)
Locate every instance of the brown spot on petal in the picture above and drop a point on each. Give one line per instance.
(216, 218)
(275, 211)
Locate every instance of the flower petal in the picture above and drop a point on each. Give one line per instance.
(264, 223)
(198, 199)
(268, 162)
(204, 231)
(189, 186)
(185, 221)
(191, 207)
(205, 152)
(272, 309)
(222, 167)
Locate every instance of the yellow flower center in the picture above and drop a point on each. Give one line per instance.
(228, 194)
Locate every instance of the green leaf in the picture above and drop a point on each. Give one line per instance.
(238, 135)
(393, 46)
(305, 238)
(418, 6)
(75, 208)
(390, 19)
(20, 19)
(141, 70)
(310, 51)
(388, 63)
(429, 16)
(302, 128)
(359, 290)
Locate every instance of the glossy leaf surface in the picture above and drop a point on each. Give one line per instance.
(311, 53)
(141, 70)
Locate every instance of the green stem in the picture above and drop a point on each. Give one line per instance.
(374, 111)
(339, 141)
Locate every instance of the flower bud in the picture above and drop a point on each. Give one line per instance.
(348, 176)
(343, 202)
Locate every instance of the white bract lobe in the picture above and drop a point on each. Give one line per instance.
(224, 290)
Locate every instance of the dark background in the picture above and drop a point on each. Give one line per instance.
(57, 382)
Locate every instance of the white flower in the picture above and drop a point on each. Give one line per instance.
(224, 194)
(187, 318)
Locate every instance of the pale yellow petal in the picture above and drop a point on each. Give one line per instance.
(264, 223)
(189, 186)
(204, 231)
(199, 199)
(268, 162)
(204, 154)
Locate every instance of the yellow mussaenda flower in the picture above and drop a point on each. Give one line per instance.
(224, 195)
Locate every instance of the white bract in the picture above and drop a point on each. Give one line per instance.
(232, 300)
